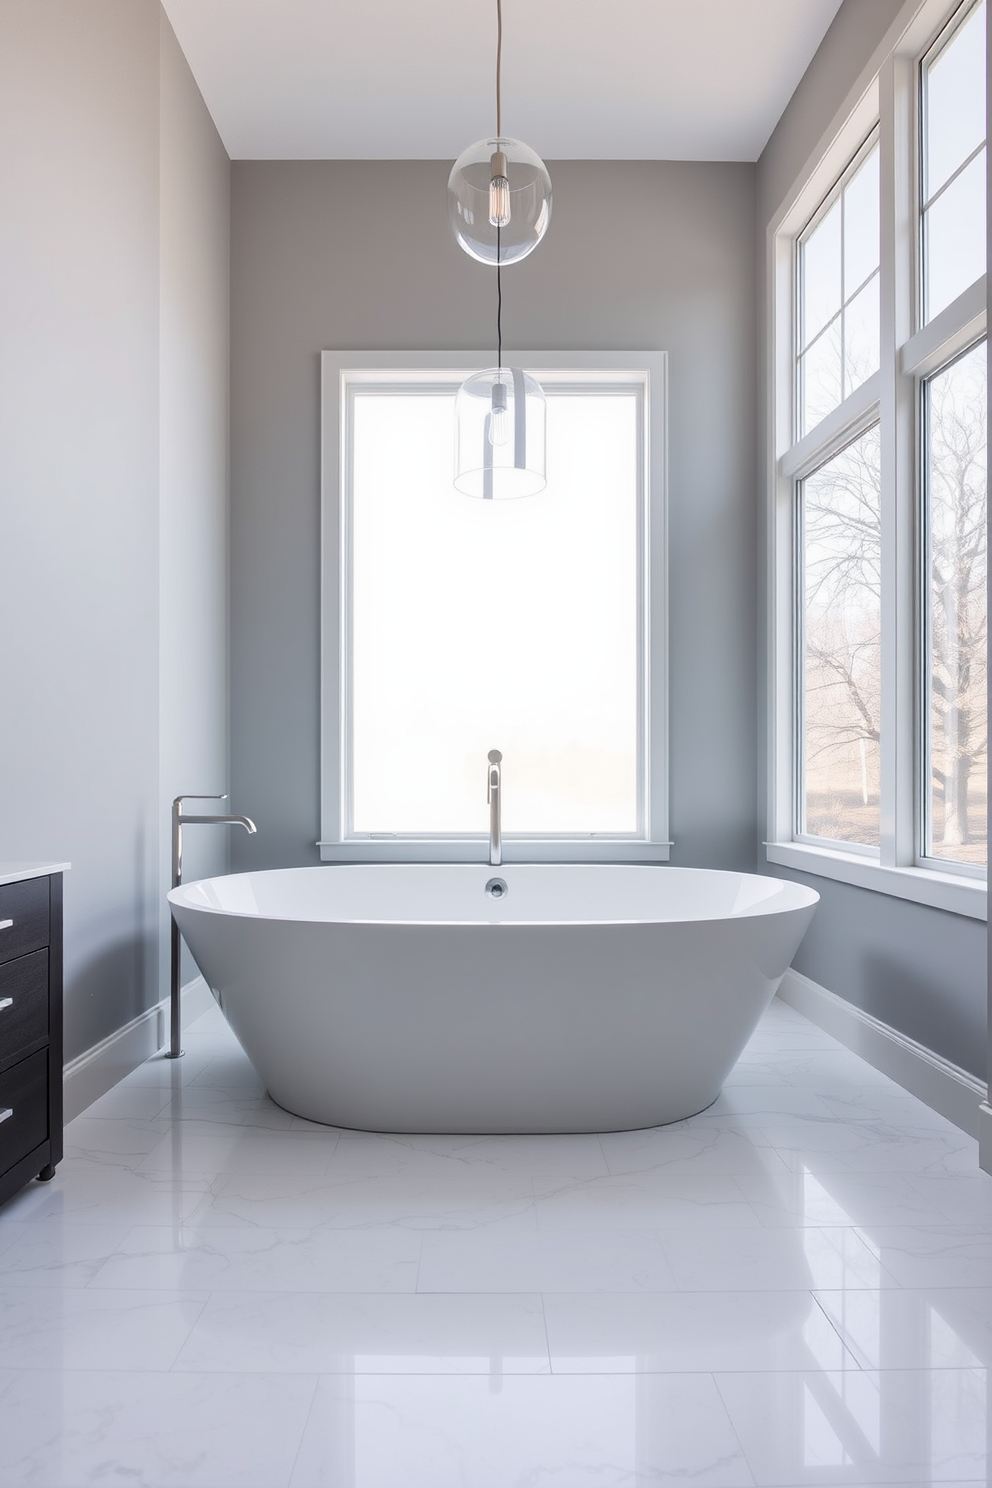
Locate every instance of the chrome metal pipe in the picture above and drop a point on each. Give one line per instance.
(493, 797)
(179, 820)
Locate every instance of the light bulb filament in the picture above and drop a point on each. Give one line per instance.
(499, 191)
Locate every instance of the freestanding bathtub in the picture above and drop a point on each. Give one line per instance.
(414, 998)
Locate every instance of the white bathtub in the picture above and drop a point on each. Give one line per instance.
(404, 997)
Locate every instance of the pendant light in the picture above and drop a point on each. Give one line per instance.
(499, 190)
(499, 205)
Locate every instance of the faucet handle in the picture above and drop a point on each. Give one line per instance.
(177, 804)
(495, 758)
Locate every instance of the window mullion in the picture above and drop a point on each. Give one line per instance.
(898, 465)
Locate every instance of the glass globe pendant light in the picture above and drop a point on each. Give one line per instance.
(499, 190)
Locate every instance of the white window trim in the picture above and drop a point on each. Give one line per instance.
(887, 93)
(650, 846)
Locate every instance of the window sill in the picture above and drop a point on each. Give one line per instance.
(958, 895)
(476, 850)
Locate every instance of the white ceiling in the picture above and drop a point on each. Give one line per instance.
(413, 79)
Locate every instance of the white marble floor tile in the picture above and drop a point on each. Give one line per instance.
(56, 1253)
(231, 1107)
(452, 1201)
(216, 1147)
(546, 1261)
(902, 1426)
(808, 1197)
(80, 1328)
(369, 1334)
(115, 1141)
(871, 1145)
(526, 1311)
(519, 1432)
(689, 1147)
(77, 1429)
(249, 1258)
(939, 1256)
(161, 1073)
(377, 1155)
(643, 1201)
(688, 1332)
(771, 1259)
(910, 1328)
(140, 1102)
(961, 1198)
(96, 1193)
(228, 1068)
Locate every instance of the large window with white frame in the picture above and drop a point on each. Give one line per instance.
(453, 626)
(878, 756)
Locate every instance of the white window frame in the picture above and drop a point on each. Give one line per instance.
(342, 372)
(886, 98)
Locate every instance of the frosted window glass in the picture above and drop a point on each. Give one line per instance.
(821, 277)
(838, 310)
(821, 377)
(955, 237)
(841, 648)
(955, 101)
(956, 491)
(861, 236)
(954, 227)
(494, 625)
(861, 338)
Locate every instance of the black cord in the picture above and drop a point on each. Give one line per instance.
(499, 309)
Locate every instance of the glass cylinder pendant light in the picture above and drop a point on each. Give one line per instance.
(500, 435)
(499, 190)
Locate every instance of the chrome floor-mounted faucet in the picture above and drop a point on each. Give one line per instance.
(178, 822)
(493, 797)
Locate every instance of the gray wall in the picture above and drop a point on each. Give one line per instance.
(194, 353)
(920, 969)
(92, 416)
(359, 255)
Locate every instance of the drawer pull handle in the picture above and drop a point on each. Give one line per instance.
(6, 1002)
(5, 1114)
(6, 924)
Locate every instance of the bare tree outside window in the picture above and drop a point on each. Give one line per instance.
(841, 645)
(958, 626)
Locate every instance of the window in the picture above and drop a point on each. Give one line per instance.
(956, 404)
(841, 679)
(838, 294)
(952, 189)
(524, 623)
(879, 634)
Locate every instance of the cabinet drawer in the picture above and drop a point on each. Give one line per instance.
(25, 906)
(23, 1108)
(23, 1007)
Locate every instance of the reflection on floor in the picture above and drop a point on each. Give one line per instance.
(793, 1288)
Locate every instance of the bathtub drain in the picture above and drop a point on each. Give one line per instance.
(496, 888)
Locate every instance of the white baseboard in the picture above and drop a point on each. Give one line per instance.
(941, 1085)
(97, 1070)
(985, 1136)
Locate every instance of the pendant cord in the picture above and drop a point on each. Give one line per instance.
(499, 126)
(499, 309)
(499, 66)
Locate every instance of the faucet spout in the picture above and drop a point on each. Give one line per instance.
(493, 796)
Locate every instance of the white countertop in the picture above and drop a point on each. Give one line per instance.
(13, 871)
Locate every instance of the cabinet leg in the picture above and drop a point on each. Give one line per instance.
(47, 1174)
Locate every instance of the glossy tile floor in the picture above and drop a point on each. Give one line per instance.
(793, 1288)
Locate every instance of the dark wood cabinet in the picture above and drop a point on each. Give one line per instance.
(30, 1030)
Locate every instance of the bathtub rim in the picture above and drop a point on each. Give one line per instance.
(803, 897)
